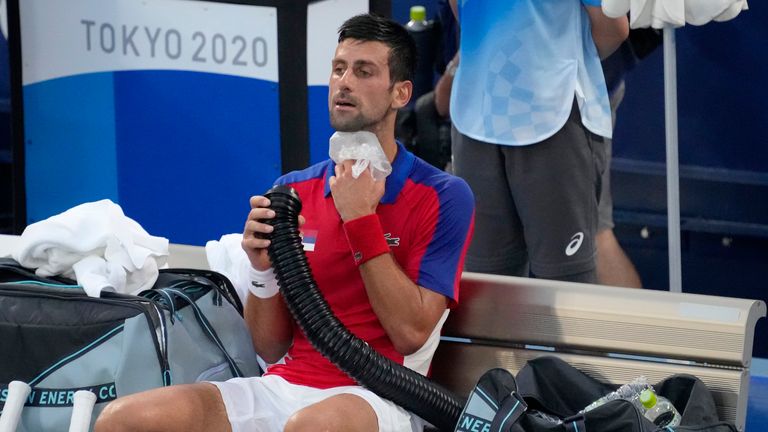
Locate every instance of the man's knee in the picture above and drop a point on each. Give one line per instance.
(116, 417)
(323, 420)
(188, 408)
(340, 413)
(304, 421)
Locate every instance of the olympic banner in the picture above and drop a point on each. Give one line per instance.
(168, 107)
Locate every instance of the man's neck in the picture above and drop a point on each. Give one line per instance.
(385, 132)
(390, 147)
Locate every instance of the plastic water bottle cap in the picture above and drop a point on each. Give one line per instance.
(648, 398)
(418, 13)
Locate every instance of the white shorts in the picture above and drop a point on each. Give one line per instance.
(264, 404)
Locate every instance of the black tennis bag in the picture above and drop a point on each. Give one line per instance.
(549, 393)
(187, 328)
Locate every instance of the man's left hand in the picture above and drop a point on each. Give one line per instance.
(355, 197)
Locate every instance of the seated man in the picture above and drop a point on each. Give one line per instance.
(387, 257)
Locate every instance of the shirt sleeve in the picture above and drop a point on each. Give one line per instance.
(444, 240)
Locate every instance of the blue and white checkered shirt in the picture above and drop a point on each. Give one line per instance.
(522, 63)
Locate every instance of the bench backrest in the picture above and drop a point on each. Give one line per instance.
(186, 256)
(612, 334)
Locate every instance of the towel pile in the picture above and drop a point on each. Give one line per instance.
(96, 244)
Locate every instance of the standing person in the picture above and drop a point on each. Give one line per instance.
(387, 257)
(530, 112)
(613, 265)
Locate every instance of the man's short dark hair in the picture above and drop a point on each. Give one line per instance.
(375, 28)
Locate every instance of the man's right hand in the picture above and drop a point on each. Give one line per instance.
(254, 243)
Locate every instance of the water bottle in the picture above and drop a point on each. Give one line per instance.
(629, 391)
(424, 34)
(659, 409)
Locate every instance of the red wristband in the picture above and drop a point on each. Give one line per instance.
(365, 238)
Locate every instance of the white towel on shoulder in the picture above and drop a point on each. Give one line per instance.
(96, 244)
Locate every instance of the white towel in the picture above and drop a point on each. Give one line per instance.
(668, 13)
(227, 257)
(732, 11)
(96, 244)
(702, 12)
(673, 13)
(4, 19)
(640, 13)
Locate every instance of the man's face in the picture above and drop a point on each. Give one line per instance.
(360, 95)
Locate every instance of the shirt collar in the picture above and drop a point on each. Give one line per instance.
(395, 181)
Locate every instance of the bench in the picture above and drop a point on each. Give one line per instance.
(612, 334)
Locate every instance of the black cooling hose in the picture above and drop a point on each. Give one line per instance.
(328, 335)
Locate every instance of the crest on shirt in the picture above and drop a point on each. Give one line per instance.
(392, 241)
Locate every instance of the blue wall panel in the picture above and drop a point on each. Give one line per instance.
(722, 89)
(192, 148)
(320, 129)
(70, 143)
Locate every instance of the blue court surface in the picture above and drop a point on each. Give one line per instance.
(757, 412)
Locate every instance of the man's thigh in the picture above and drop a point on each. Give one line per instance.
(341, 413)
(183, 408)
(269, 403)
(556, 186)
(353, 409)
(605, 206)
(260, 404)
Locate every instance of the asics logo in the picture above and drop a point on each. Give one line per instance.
(574, 244)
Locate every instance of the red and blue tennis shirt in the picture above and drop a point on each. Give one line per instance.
(427, 217)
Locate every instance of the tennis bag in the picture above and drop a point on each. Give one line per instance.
(187, 328)
(548, 394)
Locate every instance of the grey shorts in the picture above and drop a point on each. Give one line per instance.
(535, 204)
(605, 206)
